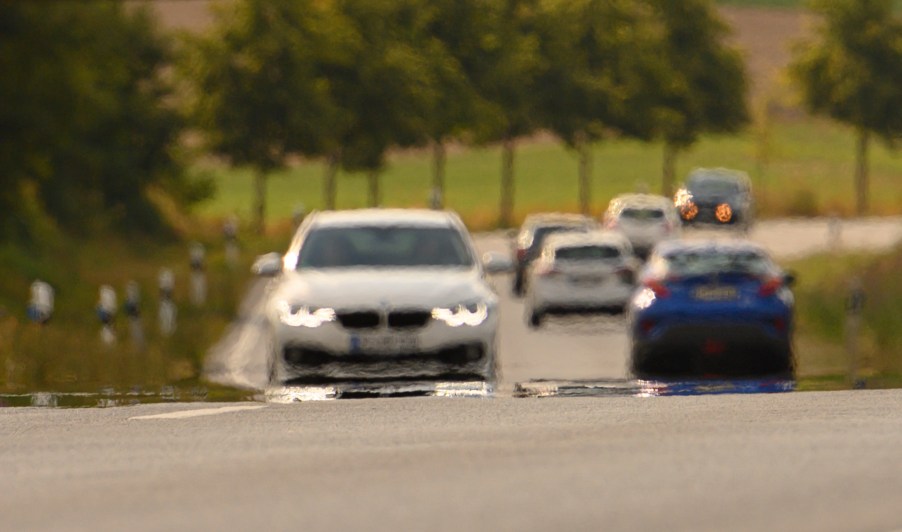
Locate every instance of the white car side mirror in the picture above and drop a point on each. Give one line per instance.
(268, 265)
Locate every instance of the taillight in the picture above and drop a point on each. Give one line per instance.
(657, 287)
(770, 286)
(521, 254)
(612, 224)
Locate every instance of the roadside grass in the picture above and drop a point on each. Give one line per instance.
(822, 295)
(807, 171)
(67, 354)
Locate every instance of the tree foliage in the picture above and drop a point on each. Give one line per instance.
(85, 126)
(260, 92)
(851, 71)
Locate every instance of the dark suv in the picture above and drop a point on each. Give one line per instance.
(535, 228)
(716, 196)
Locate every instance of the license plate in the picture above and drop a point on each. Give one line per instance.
(716, 293)
(383, 343)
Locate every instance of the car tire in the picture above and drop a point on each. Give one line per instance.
(517, 289)
(535, 320)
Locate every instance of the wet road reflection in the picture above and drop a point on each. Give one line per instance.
(649, 388)
(361, 390)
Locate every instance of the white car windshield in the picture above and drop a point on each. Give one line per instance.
(383, 246)
(587, 253)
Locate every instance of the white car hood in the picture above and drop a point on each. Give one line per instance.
(380, 288)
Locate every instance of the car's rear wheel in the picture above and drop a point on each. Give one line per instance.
(535, 319)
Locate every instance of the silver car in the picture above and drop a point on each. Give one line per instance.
(384, 295)
(645, 219)
(581, 272)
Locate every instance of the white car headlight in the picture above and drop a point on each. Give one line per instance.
(303, 316)
(471, 314)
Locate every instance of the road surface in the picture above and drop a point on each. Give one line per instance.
(786, 461)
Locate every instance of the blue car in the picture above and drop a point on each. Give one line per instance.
(711, 308)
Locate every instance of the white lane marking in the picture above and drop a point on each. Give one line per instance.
(202, 412)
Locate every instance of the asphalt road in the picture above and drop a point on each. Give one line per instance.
(801, 461)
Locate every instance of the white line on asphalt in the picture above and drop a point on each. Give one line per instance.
(203, 412)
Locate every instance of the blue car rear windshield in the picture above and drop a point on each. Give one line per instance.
(383, 246)
(689, 263)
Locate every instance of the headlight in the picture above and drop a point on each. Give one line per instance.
(471, 314)
(303, 316)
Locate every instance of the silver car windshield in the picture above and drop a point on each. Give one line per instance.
(643, 215)
(384, 246)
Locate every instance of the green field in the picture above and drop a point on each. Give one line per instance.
(808, 171)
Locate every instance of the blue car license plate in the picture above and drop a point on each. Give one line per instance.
(715, 293)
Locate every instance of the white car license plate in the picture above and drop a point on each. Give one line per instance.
(716, 293)
(586, 279)
(384, 343)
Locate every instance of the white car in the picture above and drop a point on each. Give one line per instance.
(381, 294)
(645, 219)
(579, 272)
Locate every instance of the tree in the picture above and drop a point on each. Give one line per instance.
(449, 38)
(86, 127)
(702, 86)
(390, 89)
(498, 50)
(260, 94)
(851, 71)
(598, 55)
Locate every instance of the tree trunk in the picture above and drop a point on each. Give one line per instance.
(329, 181)
(584, 147)
(507, 182)
(260, 201)
(861, 172)
(437, 197)
(669, 168)
(373, 196)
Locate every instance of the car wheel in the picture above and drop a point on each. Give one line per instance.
(535, 319)
(518, 286)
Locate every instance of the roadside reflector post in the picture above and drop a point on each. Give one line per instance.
(834, 233)
(854, 306)
(230, 234)
(40, 306)
(106, 311)
(198, 274)
(132, 309)
(167, 312)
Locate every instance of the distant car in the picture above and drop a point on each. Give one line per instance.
(532, 234)
(581, 272)
(645, 219)
(711, 307)
(716, 196)
(381, 294)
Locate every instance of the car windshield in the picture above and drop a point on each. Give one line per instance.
(689, 263)
(384, 246)
(714, 186)
(642, 215)
(586, 253)
(542, 232)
